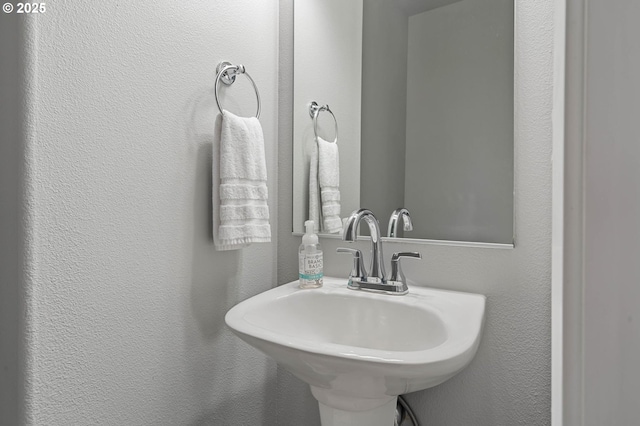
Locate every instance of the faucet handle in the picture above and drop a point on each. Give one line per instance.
(396, 269)
(358, 269)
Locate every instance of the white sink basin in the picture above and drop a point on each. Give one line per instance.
(358, 350)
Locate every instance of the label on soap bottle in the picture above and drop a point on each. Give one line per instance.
(310, 267)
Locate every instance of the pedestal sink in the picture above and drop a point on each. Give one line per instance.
(359, 350)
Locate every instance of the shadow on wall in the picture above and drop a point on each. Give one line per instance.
(233, 381)
(215, 275)
(220, 279)
(296, 404)
(237, 409)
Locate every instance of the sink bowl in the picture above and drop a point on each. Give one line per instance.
(359, 350)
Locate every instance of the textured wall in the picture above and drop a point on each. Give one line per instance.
(508, 382)
(126, 295)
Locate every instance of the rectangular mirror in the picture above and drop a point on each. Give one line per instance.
(422, 92)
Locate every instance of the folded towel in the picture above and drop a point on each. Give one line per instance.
(241, 212)
(329, 182)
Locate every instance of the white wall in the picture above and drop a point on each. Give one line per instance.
(460, 142)
(611, 212)
(509, 380)
(125, 294)
(329, 45)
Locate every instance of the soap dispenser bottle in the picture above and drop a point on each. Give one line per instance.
(310, 264)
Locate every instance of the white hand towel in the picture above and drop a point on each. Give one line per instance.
(329, 182)
(240, 209)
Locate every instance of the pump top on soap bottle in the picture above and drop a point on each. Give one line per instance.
(310, 262)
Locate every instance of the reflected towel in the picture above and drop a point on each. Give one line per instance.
(314, 189)
(329, 183)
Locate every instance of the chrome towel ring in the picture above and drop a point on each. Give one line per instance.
(314, 112)
(226, 73)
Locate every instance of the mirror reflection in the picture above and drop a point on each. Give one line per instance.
(422, 94)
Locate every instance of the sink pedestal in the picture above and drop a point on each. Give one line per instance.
(379, 416)
(340, 407)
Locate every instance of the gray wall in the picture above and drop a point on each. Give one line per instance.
(384, 105)
(126, 295)
(460, 122)
(509, 380)
(600, 271)
(611, 209)
(11, 199)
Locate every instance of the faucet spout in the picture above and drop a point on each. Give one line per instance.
(376, 270)
(400, 213)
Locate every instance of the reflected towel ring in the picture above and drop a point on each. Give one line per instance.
(314, 112)
(226, 73)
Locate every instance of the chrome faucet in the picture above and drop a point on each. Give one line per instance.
(400, 213)
(376, 279)
(376, 270)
